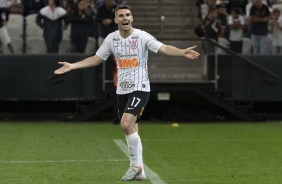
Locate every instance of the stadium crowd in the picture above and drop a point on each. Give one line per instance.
(238, 23)
(79, 20)
(255, 25)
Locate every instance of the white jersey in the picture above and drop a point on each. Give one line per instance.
(131, 54)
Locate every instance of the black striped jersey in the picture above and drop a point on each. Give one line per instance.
(131, 55)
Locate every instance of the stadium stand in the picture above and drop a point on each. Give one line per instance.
(65, 46)
(35, 45)
(34, 36)
(15, 30)
(247, 46)
(91, 46)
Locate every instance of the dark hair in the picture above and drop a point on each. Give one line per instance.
(220, 6)
(75, 9)
(57, 2)
(237, 10)
(212, 10)
(276, 10)
(121, 7)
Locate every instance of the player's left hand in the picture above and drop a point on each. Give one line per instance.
(190, 53)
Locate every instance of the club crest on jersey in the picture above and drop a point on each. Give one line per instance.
(133, 44)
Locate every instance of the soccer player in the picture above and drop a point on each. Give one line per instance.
(130, 47)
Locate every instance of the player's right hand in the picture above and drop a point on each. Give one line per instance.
(65, 68)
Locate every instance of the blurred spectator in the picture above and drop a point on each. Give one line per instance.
(32, 6)
(206, 7)
(15, 6)
(106, 20)
(99, 3)
(222, 16)
(259, 17)
(199, 4)
(212, 27)
(4, 35)
(222, 2)
(236, 24)
(237, 4)
(51, 19)
(90, 7)
(8, 3)
(91, 10)
(272, 2)
(68, 5)
(275, 28)
(251, 3)
(80, 21)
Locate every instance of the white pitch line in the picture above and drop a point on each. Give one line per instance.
(152, 176)
(57, 161)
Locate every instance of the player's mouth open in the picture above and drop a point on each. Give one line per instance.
(125, 24)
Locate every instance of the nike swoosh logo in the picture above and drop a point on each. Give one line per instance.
(128, 108)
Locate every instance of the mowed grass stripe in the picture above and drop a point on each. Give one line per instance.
(196, 153)
(58, 161)
(198, 140)
(152, 176)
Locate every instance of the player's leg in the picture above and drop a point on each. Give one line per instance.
(141, 176)
(127, 122)
(132, 138)
(145, 97)
(131, 113)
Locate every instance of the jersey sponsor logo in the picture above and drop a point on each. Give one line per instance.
(120, 55)
(128, 63)
(126, 85)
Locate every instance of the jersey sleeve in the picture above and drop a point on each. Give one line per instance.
(152, 43)
(105, 49)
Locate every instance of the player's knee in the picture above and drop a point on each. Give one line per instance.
(125, 125)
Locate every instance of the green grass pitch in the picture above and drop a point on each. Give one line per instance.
(193, 153)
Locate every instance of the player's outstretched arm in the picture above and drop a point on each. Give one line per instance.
(191, 53)
(86, 63)
(173, 51)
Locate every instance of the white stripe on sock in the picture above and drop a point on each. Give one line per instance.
(152, 176)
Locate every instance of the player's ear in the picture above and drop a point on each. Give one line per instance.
(116, 20)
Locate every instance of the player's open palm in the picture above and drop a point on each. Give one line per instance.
(190, 53)
(65, 68)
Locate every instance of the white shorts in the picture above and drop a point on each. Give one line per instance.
(4, 36)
